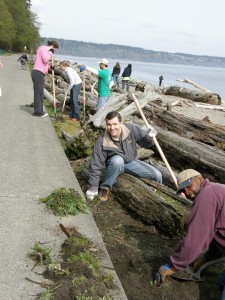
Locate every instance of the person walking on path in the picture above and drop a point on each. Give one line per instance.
(23, 61)
(41, 66)
(116, 73)
(104, 81)
(117, 150)
(126, 77)
(74, 87)
(205, 224)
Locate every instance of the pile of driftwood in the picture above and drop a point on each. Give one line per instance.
(186, 143)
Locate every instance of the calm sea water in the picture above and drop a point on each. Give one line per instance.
(211, 78)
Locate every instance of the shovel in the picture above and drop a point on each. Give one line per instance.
(53, 86)
(155, 141)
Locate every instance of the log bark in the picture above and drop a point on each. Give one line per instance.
(184, 154)
(150, 206)
(194, 95)
(197, 130)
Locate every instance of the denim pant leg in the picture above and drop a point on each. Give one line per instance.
(139, 168)
(102, 101)
(75, 110)
(114, 167)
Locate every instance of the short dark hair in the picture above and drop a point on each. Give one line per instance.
(113, 114)
(54, 44)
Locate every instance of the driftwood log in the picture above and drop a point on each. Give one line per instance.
(202, 131)
(194, 95)
(183, 154)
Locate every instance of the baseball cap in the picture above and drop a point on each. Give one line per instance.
(184, 178)
(104, 61)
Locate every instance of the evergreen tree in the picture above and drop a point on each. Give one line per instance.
(7, 27)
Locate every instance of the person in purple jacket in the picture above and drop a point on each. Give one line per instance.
(41, 66)
(205, 224)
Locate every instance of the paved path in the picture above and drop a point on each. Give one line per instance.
(32, 165)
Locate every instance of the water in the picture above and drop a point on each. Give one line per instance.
(212, 79)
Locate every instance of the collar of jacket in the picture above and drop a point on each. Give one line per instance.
(107, 141)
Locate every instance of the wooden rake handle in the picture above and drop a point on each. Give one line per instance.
(155, 141)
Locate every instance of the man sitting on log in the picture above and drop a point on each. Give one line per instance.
(116, 150)
(205, 225)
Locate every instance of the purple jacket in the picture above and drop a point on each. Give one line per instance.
(205, 223)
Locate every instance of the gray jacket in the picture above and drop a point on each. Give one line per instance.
(105, 149)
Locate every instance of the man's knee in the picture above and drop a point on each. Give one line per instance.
(116, 161)
(157, 176)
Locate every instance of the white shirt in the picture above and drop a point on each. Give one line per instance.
(74, 78)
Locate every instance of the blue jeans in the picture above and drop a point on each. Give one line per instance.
(116, 79)
(102, 101)
(74, 102)
(116, 166)
(125, 83)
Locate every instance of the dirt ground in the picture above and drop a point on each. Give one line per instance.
(137, 252)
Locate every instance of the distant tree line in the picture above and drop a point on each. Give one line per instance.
(18, 26)
(120, 52)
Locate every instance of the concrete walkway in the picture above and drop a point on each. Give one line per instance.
(32, 165)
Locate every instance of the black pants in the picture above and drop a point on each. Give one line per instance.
(38, 85)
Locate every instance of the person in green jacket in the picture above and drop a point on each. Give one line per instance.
(104, 81)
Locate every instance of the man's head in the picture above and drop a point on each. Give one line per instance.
(189, 182)
(114, 124)
(103, 63)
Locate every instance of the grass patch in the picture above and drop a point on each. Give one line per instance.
(65, 201)
(46, 295)
(78, 275)
(40, 254)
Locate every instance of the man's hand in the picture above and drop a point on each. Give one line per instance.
(91, 193)
(153, 132)
(164, 270)
(82, 68)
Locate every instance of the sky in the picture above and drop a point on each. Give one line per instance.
(193, 26)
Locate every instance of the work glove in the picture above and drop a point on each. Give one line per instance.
(152, 132)
(91, 193)
(164, 270)
(82, 68)
(52, 50)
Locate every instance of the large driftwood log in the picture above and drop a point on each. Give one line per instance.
(153, 203)
(197, 130)
(194, 95)
(198, 86)
(183, 154)
(118, 101)
(152, 208)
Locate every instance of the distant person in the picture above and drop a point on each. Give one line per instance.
(116, 73)
(74, 87)
(23, 61)
(104, 81)
(41, 66)
(160, 80)
(116, 150)
(126, 77)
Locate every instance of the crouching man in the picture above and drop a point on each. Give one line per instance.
(116, 151)
(205, 225)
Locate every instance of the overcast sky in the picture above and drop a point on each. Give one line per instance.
(193, 26)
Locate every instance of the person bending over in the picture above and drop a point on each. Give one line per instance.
(205, 224)
(116, 150)
(74, 87)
